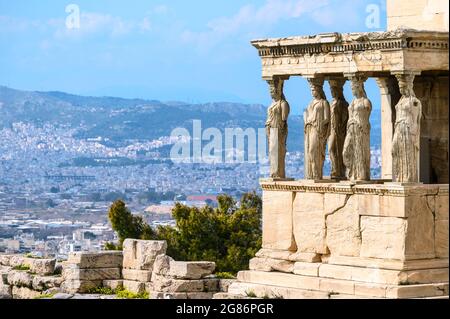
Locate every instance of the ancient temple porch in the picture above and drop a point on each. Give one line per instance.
(379, 55)
(325, 238)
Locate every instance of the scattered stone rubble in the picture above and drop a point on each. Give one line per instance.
(83, 272)
(39, 277)
(143, 266)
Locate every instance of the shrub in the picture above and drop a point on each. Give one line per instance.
(21, 267)
(225, 275)
(229, 235)
(102, 291)
(125, 294)
(44, 296)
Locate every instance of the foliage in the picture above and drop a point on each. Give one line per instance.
(21, 267)
(44, 296)
(111, 246)
(126, 224)
(228, 235)
(225, 275)
(30, 255)
(250, 294)
(102, 291)
(125, 294)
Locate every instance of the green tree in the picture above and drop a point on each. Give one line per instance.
(126, 224)
(229, 235)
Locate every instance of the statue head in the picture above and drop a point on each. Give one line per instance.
(406, 84)
(337, 88)
(316, 85)
(357, 85)
(276, 89)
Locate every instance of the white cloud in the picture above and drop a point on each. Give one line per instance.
(251, 19)
(93, 24)
(146, 24)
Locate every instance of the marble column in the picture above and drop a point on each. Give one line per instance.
(406, 139)
(389, 97)
(356, 153)
(317, 130)
(338, 124)
(277, 128)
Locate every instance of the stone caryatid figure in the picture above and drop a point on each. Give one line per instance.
(338, 131)
(277, 128)
(317, 130)
(406, 139)
(356, 153)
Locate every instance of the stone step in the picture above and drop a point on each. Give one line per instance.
(387, 263)
(226, 295)
(273, 292)
(384, 276)
(341, 286)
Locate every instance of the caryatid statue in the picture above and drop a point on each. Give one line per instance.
(339, 118)
(317, 129)
(406, 139)
(277, 128)
(356, 153)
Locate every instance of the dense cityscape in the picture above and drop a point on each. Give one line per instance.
(56, 185)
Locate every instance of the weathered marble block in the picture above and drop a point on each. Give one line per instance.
(269, 264)
(79, 286)
(24, 293)
(167, 284)
(309, 223)
(141, 254)
(42, 283)
(104, 259)
(36, 265)
(73, 272)
(138, 275)
(190, 269)
(277, 220)
(162, 264)
(20, 279)
(5, 291)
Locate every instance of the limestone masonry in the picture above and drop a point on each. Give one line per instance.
(347, 236)
(142, 267)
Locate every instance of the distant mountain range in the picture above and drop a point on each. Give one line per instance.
(120, 120)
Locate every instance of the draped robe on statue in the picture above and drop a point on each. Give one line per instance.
(317, 119)
(277, 131)
(356, 152)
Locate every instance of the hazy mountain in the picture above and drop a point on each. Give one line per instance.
(120, 120)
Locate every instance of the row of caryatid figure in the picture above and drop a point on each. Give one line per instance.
(346, 129)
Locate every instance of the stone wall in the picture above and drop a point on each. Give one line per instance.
(429, 15)
(342, 220)
(142, 266)
(432, 91)
(346, 240)
(27, 278)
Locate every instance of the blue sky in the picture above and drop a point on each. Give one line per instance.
(195, 51)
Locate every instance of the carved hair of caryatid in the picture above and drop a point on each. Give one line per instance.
(317, 130)
(356, 152)
(406, 139)
(338, 124)
(277, 128)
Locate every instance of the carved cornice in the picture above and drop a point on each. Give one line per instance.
(352, 42)
(370, 189)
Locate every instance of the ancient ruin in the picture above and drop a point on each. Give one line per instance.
(362, 237)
